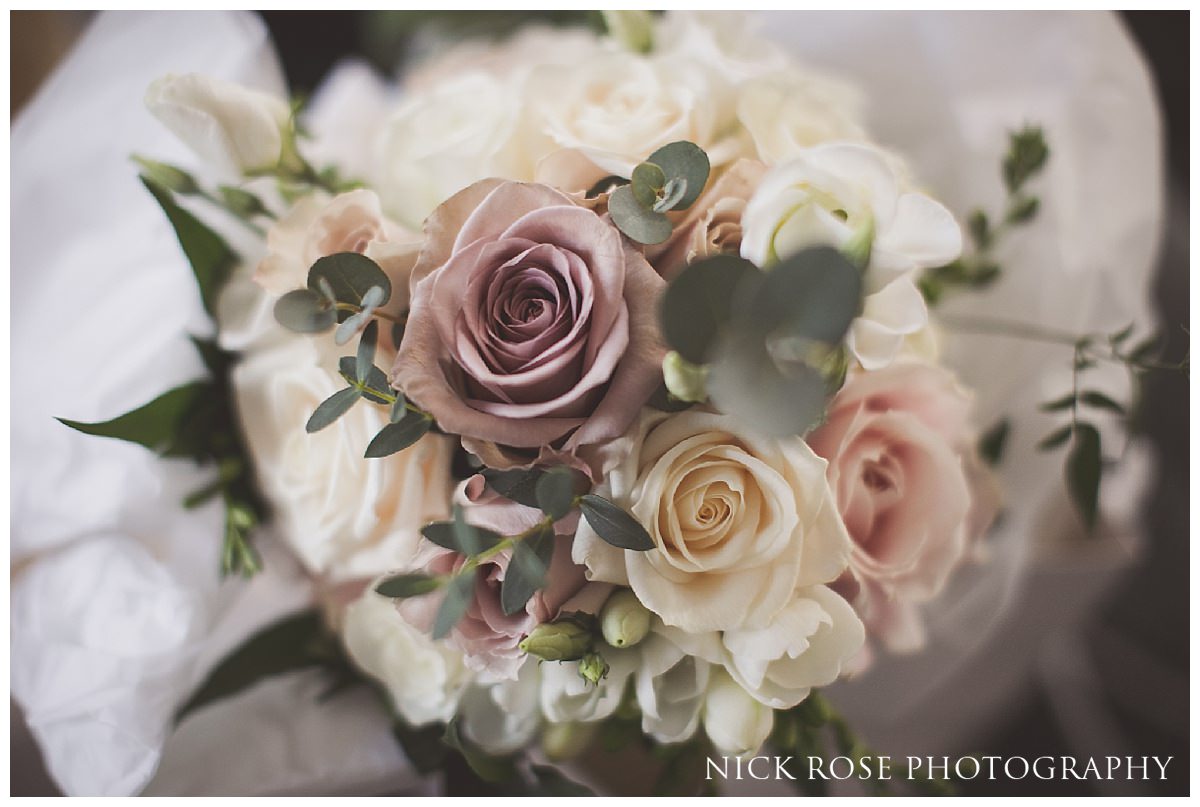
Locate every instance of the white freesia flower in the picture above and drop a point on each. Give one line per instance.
(807, 645)
(345, 516)
(567, 697)
(236, 129)
(504, 717)
(424, 678)
(789, 110)
(617, 108)
(736, 723)
(738, 522)
(670, 686)
(829, 194)
(459, 131)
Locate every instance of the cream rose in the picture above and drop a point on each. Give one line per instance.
(833, 193)
(345, 516)
(424, 679)
(901, 464)
(737, 522)
(789, 110)
(236, 129)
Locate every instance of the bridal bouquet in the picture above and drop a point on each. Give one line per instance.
(606, 409)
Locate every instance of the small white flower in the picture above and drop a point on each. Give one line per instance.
(670, 686)
(424, 678)
(503, 717)
(566, 696)
(736, 723)
(236, 129)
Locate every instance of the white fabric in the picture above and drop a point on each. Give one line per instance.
(117, 610)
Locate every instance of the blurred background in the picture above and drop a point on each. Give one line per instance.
(1134, 637)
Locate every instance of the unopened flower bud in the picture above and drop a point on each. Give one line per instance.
(593, 668)
(567, 740)
(557, 641)
(624, 621)
(684, 380)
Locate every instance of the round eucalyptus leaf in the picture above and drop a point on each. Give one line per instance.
(350, 277)
(304, 311)
(815, 293)
(647, 181)
(685, 160)
(745, 382)
(698, 303)
(637, 222)
(675, 189)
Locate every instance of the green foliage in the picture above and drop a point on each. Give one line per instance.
(526, 571)
(408, 584)
(374, 387)
(555, 492)
(1027, 155)
(305, 311)
(685, 162)
(614, 525)
(640, 223)
(459, 592)
(159, 425)
(350, 276)
(672, 178)
(993, 442)
(460, 536)
(332, 408)
(396, 437)
(170, 177)
(1083, 472)
(518, 485)
(698, 304)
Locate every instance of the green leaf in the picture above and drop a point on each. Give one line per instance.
(993, 441)
(815, 293)
(614, 525)
(211, 258)
(170, 177)
(376, 386)
(1055, 439)
(399, 408)
(156, 425)
(1027, 155)
(646, 182)
(398, 436)
(459, 592)
(444, 534)
(365, 358)
(518, 485)
(555, 492)
(745, 381)
(241, 203)
(1059, 404)
(526, 572)
(292, 643)
(350, 275)
(1098, 400)
(642, 225)
(698, 304)
(486, 767)
(687, 161)
(979, 229)
(331, 409)
(304, 311)
(410, 584)
(1083, 471)
(1022, 209)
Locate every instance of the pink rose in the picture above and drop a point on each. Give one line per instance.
(900, 458)
(486, 635)
(532, 325)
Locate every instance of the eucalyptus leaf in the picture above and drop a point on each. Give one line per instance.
(815, 293)
(675, 189)
(555, 492)
(304, 311)
(399, 408)
(684, 160)
(1083, 471)
(459, 592)
(170, 177)
(365, 358)
(240, 202)
(409, 584)
(526, 572)
(350, 326)
(155, 425)
(444, 534)
(640, 224)
(396, 437)
(646, 182)
(518, 485)
(470, 539)
(745, 381)
(376, 386)
(350, 276)
(614, 525)
(210, 257)
(698, 303)
(332, 408)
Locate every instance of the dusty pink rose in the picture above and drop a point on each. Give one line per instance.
(532, 324)
(900, 457)
(486, 635)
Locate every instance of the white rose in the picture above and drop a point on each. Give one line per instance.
(617, 108)
(344, 515)
(736, 723)
(727, 42)
(503, 717)
(234, 128)
(789, 110)
(567, 697)
(459, 131)
(827, 195)
(738, 522)
(424, 678)
(670, 686)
